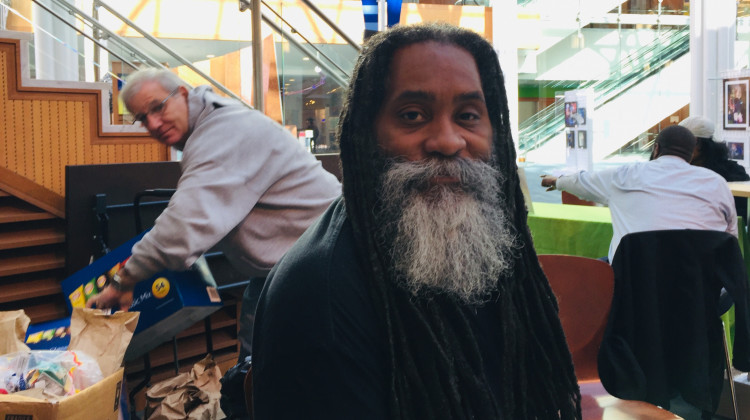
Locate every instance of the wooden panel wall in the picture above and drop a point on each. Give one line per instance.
(44, 129)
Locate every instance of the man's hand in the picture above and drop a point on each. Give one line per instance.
(110, 297)
(549, 181)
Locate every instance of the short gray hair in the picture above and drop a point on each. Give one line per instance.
(165, 78)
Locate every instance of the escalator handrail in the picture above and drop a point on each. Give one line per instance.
(549, 121)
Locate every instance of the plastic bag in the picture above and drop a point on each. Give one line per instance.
(59, 373)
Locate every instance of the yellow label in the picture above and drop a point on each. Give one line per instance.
(34, 338)
(160, 288)
(77, 299)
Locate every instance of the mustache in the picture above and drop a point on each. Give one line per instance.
(470, 174)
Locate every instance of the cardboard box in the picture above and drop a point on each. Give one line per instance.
(99, 401)
(51, 335)
(168, 302)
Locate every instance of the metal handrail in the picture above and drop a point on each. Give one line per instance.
(332, 25)
(166, 49)
(89, 37)
(73, 10)
(299, 45)
(305, 38)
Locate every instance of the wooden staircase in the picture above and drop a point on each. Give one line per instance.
(32, 259)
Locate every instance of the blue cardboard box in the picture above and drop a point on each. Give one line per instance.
(169, 302)
(50, 335)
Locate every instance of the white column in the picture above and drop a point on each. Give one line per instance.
(712, 39)
(504, 39)
(382, 15)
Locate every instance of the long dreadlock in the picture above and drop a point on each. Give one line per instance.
(435, 363)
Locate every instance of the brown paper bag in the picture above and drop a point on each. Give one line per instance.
(101, 336)
(193, 395)
(13, 326)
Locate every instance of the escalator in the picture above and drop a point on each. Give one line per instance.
(669, 48)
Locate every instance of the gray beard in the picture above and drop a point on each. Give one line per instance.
(446, 238)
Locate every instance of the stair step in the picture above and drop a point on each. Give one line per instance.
(28, 289)
(31, 237)
(22, 212)
(13, 265)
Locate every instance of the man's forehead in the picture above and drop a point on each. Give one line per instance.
(415, 64)
(147, 93)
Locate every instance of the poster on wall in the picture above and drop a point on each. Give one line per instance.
(581, 116)
(736, 150)
(582, 139)
(571, 113)
(736, 104)
(579, 134)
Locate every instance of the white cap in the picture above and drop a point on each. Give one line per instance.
(699, 126)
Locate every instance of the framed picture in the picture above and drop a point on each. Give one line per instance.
(736, 150)
(581, 139)
(571, 110)
(581, 116)
(571, 136)
(736, 104)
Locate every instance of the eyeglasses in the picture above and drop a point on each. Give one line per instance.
(157, 109)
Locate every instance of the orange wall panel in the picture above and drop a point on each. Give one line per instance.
(44, 129)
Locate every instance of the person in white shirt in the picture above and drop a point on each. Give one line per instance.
(664, 193)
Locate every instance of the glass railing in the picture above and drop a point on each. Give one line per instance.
(549, 122)
(305, 73)
(68, 44)
(314, 62)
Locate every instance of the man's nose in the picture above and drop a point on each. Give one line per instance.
(153, 122)
(445, 138)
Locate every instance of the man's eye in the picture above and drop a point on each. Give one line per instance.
(141, 118)
(411, 116)
(468, 116)
(157, 109)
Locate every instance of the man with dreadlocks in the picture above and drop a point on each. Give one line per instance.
(418, 294)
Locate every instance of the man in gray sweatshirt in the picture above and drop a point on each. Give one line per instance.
(247, 186)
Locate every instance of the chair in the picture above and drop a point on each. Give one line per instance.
(664, 336)
(584, 288)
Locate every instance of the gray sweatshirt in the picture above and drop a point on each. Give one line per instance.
(246, 185)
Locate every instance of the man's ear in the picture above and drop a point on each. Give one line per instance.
(655, 153)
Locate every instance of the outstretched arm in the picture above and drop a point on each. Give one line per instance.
(550, 182)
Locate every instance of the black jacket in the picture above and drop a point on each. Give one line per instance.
(664, 335)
